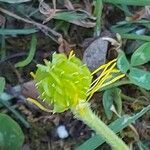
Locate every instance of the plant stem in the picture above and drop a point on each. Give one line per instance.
(98, 14)
(136, 37)
(16, 113)
(83, 112)
(144, 92)
(131, 99)
(129, 2)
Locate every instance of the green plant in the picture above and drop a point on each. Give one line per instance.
(67, 84)
(117, 125)
(11, 135)
(137, 76)
(112, 97)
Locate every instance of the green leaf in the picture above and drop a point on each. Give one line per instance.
(17, 31)
(143, 145)
(123, 28)
(70, 16)
(107, 103)
(15, 112)
(133, 36)
(140, 78)
(14, 1)
(129, 2)
(81, 18)
(141, 55)
(112, 97)
(117, 99)
(11, 135)
(122, 62)
(98, 14)
(116, 126)
(31, 53)
(2, 84)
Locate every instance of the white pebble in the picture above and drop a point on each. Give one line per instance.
(62, 132)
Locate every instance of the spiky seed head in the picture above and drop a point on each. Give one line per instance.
(63, 82)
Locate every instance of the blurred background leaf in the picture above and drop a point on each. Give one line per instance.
(14, 1)
(11, 135)
(122, 62)
(112, 100)
(141, 55)
(2, 84)
(140, 77)
(31, 53)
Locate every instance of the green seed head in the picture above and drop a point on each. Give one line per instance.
(64, 82)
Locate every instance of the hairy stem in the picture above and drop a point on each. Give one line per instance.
(83, 112)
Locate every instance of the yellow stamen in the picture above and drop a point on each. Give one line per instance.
(103, 66)
(106, 70)
(98, 69)
(46, 62)
(99, 78)
(115, 71)
(71, 55)
(32, 74)
(104, 74)
(113, 80)
(90, 93)
(38, 104)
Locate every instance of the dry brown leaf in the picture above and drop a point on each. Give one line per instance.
(64, 46)
(68, 5)
(83, 23)
(88, 6)
(147, 12)
(2, 20)
(48, 31)
(144, 13)
(46, 10)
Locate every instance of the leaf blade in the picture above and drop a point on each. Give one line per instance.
(122, 62)
(14, 1)
(140, 77)
(11, 134)
(2, 84)
(17, 31)
(112, 97)
(129, 2)
(141, 55)
(31, 53)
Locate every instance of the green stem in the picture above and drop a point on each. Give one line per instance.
(133, 36)
(144, 92)
(98, 14)
(84, 113)
(125, 97)
(131, 99)
(129, 2)
(16, 113)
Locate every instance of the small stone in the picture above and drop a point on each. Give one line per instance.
(62, 132)
(95, 54)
